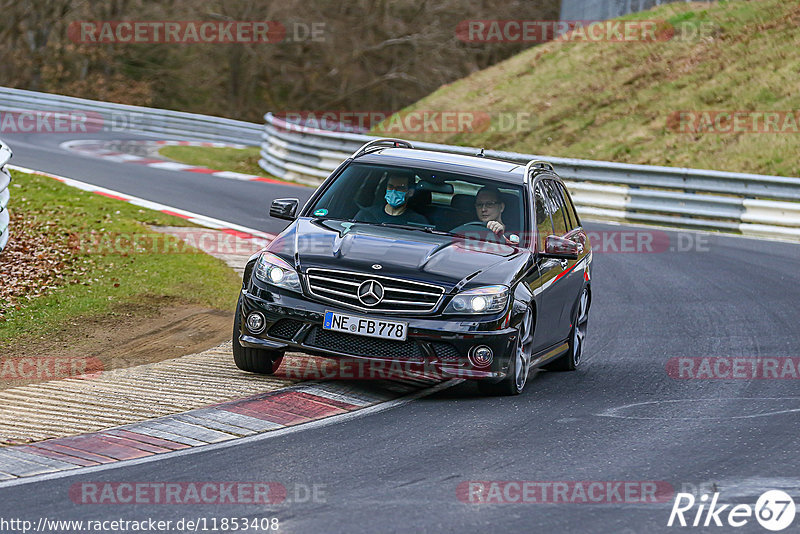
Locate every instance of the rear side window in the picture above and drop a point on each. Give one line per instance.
(576, 222)
(559, 212)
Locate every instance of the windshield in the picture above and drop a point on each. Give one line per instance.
(464, 205)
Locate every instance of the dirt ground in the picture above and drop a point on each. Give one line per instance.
(150, 331)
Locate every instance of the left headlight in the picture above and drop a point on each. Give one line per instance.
(483, 300)
(272, 270)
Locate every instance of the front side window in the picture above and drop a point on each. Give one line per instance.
(559, 213)
(544, 224)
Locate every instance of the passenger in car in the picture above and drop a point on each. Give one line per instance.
(399, 189)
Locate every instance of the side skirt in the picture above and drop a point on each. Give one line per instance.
(548, 354)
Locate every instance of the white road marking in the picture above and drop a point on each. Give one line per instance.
(616, 412)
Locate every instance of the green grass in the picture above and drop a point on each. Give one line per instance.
(118, 277)
(612, 101)
(244, 160)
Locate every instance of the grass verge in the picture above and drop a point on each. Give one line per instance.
(51, 227)
(244, 160)
(617, 101)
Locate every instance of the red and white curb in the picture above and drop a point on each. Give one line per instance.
(201, 220)
(105, 150)
(219, 424)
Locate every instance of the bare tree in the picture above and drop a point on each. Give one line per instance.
(374, 54)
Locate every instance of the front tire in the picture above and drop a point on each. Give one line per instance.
(517, 376)
(260, 361)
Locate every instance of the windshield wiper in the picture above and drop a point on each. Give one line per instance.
(325, 218)
(426, 229)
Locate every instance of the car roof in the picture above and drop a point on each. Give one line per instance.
(445, 162)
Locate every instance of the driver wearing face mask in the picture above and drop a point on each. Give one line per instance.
(399, 189)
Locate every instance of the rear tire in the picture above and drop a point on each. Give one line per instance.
(577, 336)
(260, 361)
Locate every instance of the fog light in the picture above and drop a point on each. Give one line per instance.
(256, 322)
(481, 356)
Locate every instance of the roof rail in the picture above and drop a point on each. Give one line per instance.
(381, 143)
(536, 164)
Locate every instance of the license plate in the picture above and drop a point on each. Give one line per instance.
(364, 326)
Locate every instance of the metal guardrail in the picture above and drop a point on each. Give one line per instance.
(690, 198)
(110, 117)
(767, 206)
(5, 195)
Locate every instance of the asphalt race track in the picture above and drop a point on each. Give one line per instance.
(229, 200)
(621, 417)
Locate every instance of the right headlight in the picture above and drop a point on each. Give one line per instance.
(273, 270)
(481, 300)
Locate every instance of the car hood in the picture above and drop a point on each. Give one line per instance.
(400, 252)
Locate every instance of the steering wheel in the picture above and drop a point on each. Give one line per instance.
(482, 226)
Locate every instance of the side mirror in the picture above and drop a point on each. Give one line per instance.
(560, 248)
(284, 208)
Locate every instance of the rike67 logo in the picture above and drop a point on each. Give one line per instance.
(774, 510)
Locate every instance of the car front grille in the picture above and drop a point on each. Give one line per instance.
(285, 329)
(363, 346)
(399, 296)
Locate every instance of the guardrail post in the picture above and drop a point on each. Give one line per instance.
(5, 195)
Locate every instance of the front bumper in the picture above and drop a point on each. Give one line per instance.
(440, 343)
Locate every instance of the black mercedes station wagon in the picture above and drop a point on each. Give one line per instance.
(478, 267)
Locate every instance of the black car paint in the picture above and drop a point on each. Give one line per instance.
(549, 286)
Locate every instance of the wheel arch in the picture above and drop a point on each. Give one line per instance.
(523, 299)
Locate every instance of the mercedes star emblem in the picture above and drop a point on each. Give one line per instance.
(370, 293)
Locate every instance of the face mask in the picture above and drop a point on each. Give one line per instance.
(395, 198)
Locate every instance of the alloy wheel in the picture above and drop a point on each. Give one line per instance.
(581, 325)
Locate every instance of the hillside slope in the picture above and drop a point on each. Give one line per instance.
(620, 101)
